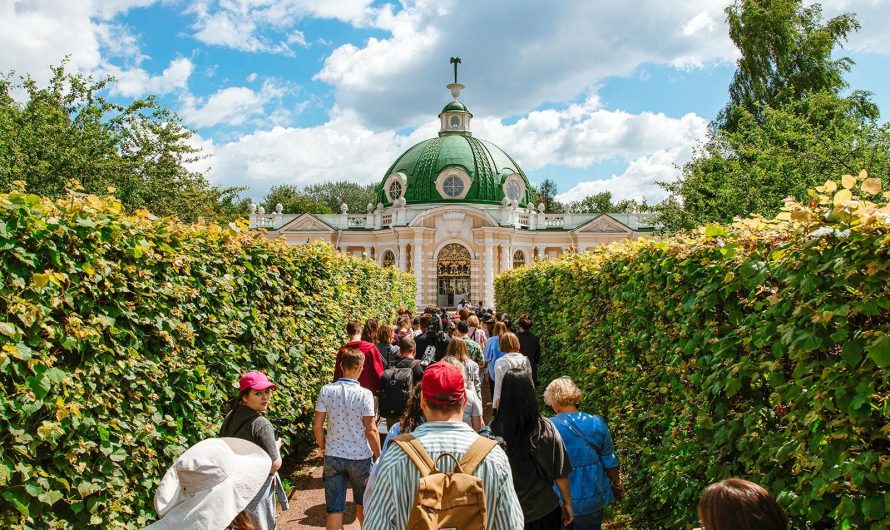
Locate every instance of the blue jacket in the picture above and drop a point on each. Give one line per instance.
(588, 481)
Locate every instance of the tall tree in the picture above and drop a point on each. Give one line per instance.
(292, 200)
(602, 203)
(68, 130)
(546, 193)
(333, 194)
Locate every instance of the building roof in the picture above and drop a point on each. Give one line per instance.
(455, 106)
(487, 165)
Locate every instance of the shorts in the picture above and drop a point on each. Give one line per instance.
(337, 471)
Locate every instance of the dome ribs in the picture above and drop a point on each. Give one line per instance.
(425, 171)
(484, 164)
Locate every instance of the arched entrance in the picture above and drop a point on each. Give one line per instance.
(453, 275)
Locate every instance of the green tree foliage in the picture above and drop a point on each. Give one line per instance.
(333, 194)
(758, 350)
(602, 203)
(786, 53)
(546, 193)
(121, 337)
(787, 125)
(293, 200)
(69, 131)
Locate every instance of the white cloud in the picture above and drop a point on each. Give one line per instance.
(873, 15)
(522, 58)
(137, 82)
(233, 105)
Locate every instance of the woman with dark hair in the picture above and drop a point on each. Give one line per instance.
(403, 329)
(388, 351)
(537, 456)
(245, 421)
(529, 344)
(369, 332)
(736, 504)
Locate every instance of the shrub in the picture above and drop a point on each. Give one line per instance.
(123, 335)
(756, 350)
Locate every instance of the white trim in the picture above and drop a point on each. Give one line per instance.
(469, 209)
(402, 180)
(460, 173)
(515, 177)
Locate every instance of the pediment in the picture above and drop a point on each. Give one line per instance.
(306, 223)
(604, 224)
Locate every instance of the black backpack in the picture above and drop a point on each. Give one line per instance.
(395, 388)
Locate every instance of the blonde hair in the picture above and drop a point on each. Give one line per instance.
(473, 321)
(457, 348)
(499, 329)
(562, 391)
(454, 361)
(509, 343)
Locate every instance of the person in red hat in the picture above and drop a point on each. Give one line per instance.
(245, 421)
(443, 397)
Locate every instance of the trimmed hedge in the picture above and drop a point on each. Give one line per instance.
(123, 335)
(758, 350)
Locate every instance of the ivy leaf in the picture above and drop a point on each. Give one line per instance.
(848, 181)
(842, 196)
(7, 329)
(879, 351)
(50, 497)
(871, 186)
(18, 500)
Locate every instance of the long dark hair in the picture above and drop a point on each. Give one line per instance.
(233, 403)
(369, 332)
(518, 416)
(410, 419)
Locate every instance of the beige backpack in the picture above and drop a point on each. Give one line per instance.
(447, 501)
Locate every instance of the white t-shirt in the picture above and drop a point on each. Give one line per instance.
(503, 365)
(473, 408)
(346, 404)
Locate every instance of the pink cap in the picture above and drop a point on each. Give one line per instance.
(255, 381)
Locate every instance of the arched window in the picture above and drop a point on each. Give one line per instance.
(518, 259)
(395, 190)
(389, 259)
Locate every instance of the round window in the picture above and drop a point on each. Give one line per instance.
(513, 190)
(395, 190)
(453, 185)
(455, 122)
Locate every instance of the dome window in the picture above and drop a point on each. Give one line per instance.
(395, 190)
(455, 122)
(453, 186)
(453, 183)
(514, 187)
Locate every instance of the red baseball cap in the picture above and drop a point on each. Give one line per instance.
(255, 381)
(442, 384)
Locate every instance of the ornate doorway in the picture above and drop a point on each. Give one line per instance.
(453, 275)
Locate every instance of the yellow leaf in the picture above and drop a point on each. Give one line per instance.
(848, 181)
(842, 196)
(863, 174)
(40, 279)
(871, 186)
(829, 186)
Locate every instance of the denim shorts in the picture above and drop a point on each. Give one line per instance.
(337, 473)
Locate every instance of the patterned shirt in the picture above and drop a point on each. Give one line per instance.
(346, 404)
(474, 350)
(398, 477)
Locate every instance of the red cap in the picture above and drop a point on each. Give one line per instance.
(442, 384)
(255, 381)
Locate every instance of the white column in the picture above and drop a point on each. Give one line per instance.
(418, 267)
(488, 274)
(541, 252)
(369, 252)
(403, 256)
(506, 258)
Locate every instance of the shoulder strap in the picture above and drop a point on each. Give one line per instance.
(415, 451)
(572, 427)
(415, 363)
(476, 454)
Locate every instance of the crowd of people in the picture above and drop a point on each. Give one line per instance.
(436, 463)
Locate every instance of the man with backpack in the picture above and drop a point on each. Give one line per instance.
(398, 380)
(456, 463)
(432, 342)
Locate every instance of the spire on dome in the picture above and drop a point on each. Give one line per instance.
(455, 87)
(455, 116)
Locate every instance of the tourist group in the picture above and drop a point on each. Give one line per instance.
(436, 464)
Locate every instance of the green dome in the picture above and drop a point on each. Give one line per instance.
(486, 164)
(455, 106)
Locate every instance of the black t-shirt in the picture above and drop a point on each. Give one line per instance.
(530, 346)
(533, 479)
(389, 353)
(416, 370)
(429, 348)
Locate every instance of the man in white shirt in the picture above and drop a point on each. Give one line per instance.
(351, 440)
(443, 398)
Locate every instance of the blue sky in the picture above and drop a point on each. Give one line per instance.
(596, 95)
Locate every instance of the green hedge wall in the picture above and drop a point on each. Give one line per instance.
(123, 335)
(758, 350)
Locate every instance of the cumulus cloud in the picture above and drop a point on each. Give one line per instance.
(873, 15)
(522, 58)
(233, 105)
(137, 82)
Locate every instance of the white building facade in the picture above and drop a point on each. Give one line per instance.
(455, 211)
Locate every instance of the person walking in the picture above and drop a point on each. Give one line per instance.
(245, 421)
(373, 364)
(529, 344)
(389, 352)
(210, 486)
(736, 504)
(432, 341)
(398, 380)
(473, 409)
(493, 353)
(537, 455)
(442, 399)
(511, 359)
(474, 351)
(594, 480)
(351, 440)
(476, 332)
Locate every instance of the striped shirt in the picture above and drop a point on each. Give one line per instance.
(398, 477)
